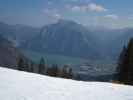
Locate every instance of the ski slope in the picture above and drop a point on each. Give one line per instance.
(16, 85)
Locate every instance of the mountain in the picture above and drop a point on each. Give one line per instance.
(118, 42)
(18, 85)
(66, 38)
(111, 41)
(7, 31)
(18, 33)
(8, 53)
(24, 33)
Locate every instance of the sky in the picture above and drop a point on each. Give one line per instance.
(103, 13)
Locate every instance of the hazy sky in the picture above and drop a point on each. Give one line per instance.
(109, 13)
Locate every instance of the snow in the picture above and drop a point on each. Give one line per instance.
(16, 85)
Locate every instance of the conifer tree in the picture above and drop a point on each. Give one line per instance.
(125, 66)
(26, 66)
(120, 70)
(70, 73)
(21, 64)
(53, 70)
(65, 71)
(42, 66)
(31, 69)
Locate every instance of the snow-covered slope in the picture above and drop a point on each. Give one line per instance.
(15, 85)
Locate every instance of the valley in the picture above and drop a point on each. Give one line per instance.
(66, 42)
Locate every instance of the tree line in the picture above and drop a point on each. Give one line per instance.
(124, 70)
(43, 69)
(125, 65)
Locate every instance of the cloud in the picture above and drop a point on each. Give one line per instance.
(57, 16)
(76, 8)
(112, 16)
(52, 13)
(92, 7)
(97, 8)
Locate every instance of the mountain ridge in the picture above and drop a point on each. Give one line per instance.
(69, 38)
(64, 37)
